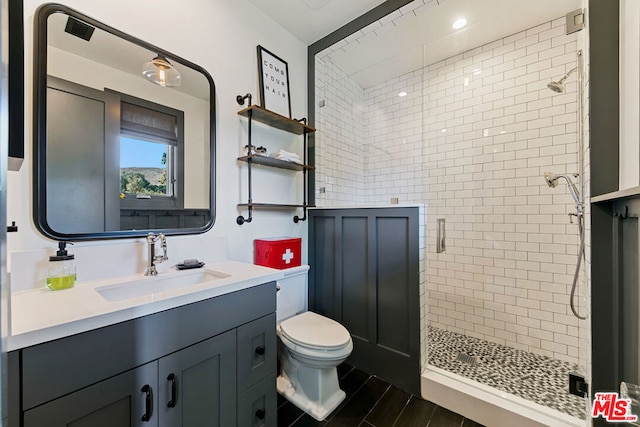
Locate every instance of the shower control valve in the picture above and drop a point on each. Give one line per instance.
(576, 214)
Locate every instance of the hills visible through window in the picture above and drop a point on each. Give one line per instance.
(145, 167)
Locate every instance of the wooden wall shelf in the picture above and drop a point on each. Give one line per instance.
(275, 120)
(257, 159)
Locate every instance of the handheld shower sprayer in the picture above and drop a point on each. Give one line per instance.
(552, 181)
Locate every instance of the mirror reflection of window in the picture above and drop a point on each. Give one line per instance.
(146, 167)
(151, 154)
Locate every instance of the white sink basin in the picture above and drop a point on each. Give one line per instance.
(161, 283)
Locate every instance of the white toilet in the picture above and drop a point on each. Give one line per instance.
(310, 347)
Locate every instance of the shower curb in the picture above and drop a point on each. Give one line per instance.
(486, 405)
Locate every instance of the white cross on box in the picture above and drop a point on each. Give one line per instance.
(287, 256)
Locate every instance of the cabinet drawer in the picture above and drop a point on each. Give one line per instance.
(257, 406)
(257, 351)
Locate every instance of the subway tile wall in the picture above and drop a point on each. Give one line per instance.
(492, 129)
(472, 139)
(339, 139)
(394, 144)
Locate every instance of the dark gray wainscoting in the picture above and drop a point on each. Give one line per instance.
(365, 274)
(615, 237)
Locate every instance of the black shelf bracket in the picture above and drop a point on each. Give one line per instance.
(241, 219)
(241, 98)
(296, 218)
(279, 122)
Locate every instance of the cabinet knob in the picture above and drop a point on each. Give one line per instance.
(146, 389)
(260, 351)
(260, 413)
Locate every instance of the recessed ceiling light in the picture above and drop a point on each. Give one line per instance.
(459, 23)
(403, 93)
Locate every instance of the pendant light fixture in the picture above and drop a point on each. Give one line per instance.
(161, 72)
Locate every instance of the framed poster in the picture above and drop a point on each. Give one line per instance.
(274, 83)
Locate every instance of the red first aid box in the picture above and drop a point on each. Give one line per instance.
(278, 252)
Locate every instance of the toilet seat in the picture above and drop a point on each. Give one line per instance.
(314, 332)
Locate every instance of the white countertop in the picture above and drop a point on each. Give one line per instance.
(42, 315)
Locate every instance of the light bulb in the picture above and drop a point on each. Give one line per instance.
(161, 72)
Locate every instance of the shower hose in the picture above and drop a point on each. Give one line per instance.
(577, 272)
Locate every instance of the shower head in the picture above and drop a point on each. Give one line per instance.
(558, 86)
(551, 178)
(552, 181)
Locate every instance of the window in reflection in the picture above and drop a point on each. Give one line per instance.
(151, 154)
(146, 167)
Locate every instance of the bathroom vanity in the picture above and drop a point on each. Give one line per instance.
(208, 360)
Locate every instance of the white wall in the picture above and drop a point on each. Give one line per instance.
(221, 36)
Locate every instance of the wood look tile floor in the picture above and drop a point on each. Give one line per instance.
(372, 402)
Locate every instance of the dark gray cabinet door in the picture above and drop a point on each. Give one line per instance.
(257, 406)
(365, 274)
(117, 402)
(197, 385)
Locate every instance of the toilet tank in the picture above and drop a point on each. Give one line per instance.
(292, 296)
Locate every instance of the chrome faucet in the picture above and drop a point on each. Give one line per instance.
(154, 259)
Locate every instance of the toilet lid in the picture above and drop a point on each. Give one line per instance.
(312, 330)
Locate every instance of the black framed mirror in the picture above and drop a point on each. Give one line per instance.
(124, 133)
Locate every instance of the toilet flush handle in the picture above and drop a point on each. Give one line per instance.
(277, 288)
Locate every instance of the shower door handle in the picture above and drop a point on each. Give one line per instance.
(440, 236)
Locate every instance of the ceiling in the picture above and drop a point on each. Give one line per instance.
(311, 20)
(416, 35)
(111, 51)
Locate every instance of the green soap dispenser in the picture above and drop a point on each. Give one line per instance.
(62, 269)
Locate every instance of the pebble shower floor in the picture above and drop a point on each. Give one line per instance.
(540, 379)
